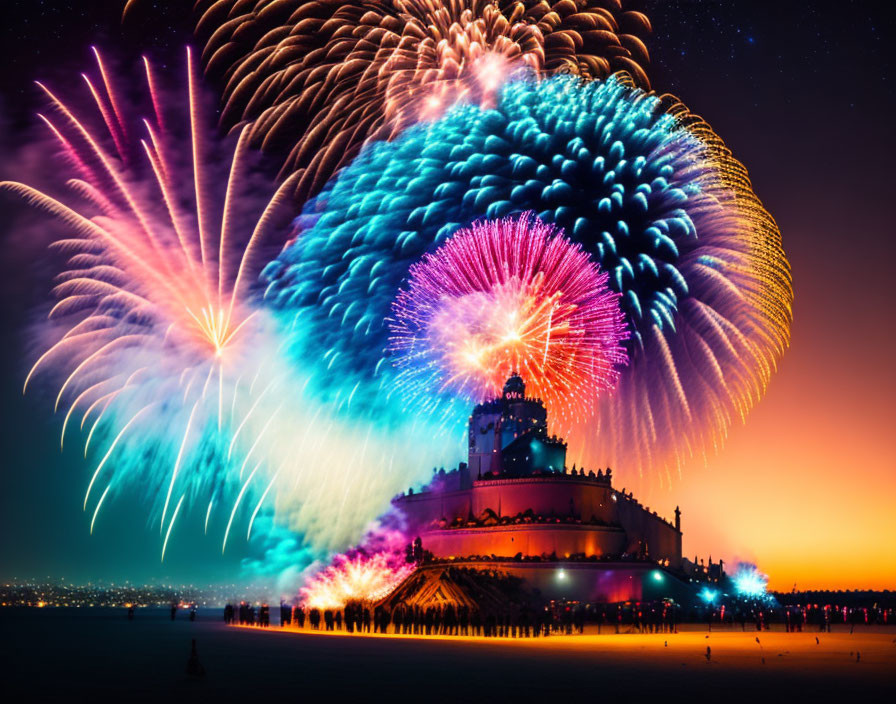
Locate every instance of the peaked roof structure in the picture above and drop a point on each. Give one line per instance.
(441, 586)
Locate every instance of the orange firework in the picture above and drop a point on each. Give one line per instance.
(320, 78)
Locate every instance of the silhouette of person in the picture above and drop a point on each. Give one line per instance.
(194, 667)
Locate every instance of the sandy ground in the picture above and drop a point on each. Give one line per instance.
(95, 655)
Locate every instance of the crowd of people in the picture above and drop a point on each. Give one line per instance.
(518, 620)
(515, 621)
(763, 614)
(247, 615)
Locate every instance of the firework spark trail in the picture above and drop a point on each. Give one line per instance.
(365, 573)
(359, 578)
(651, 193)
(509, 296)
(320, 78)
(141, 319)
(160, 350)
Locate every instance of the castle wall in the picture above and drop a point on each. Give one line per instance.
(546, 496)
(585, 499)
(528, 539)
(662, 540)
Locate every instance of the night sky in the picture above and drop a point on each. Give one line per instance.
(802, 93)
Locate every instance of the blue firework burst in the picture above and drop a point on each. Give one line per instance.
(599, 160)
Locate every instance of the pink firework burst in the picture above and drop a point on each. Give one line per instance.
(504, 296)
(357, 577)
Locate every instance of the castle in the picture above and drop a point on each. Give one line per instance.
(516, 507)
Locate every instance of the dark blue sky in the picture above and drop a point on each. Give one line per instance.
(802, 95)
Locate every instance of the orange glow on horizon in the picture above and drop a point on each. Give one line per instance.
(805, 488)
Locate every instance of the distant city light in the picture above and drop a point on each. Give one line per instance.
(561, 574)
(657, 575)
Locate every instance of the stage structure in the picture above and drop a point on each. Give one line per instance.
(516, 510)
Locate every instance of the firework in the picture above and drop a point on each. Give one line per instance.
(749, 581)
(367, 572)
(319, 78)
(358, 578)
(510, 296)
(708, 595)
(163, 357)
(648, 190)
(152, 319)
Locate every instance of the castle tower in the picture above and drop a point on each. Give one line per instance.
(509, 435)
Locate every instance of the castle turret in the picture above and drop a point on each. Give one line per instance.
(509, 435)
